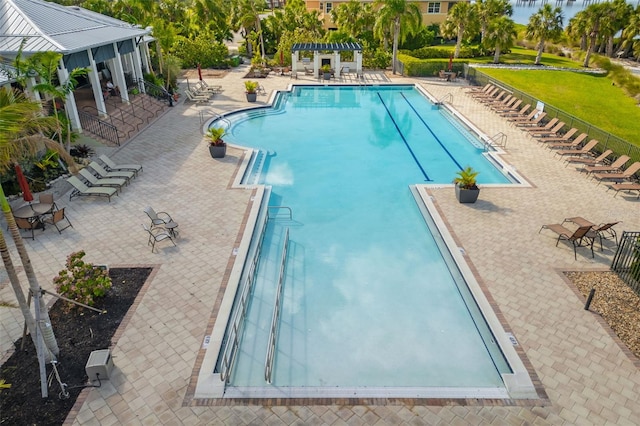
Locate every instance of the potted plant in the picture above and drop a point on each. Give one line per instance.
(467, 190)
(326, 71)
(217, 146)
(251, 88)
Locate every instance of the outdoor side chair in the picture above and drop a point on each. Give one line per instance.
(27, 225)
(157, 218)
(57, 217)
(157, 234)
(583, 236)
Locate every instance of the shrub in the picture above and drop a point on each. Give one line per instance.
(82, 281)
(204, 49)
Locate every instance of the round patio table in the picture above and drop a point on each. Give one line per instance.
(31, 211)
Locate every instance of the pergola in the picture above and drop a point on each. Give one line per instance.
(336, 48)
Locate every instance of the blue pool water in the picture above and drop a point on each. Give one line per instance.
(369, 299)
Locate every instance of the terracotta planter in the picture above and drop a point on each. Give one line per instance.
(218, 151)
(467, 195)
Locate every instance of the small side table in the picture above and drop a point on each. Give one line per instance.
(172, 228)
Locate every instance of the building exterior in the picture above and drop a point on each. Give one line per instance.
(110, 49)
(433, 12)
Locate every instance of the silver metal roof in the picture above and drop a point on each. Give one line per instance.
(52, 27)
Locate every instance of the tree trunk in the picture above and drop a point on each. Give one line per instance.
(610, 46)
(540, 50)
(396, 36)
(496, 56)
(456, 53)
(261, 38)
(592, 44)
(34, 287)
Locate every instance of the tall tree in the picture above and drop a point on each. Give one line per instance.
(595, 16)
(630, 34)
(578, 29)
(461, 23)
(403, 16)
(353, 18)
(246, 15)
(22, 126)
(545, 25)
(501, 33)
(488, 10)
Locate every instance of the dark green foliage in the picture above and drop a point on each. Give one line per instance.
(81, 151)
(203, 50)
(427, 67)
(424, 37)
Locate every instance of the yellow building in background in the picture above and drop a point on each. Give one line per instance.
(433, 12)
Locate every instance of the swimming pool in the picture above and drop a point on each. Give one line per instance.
(370, 300)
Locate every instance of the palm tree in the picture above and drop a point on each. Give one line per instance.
(353, 18)
(619, 16)
(488, 10)
(246, 15)
(545, 25)
(630, 33)
(45, 64)
(501, 33)
(21, 132)
(594, 16)
(462, 22)
(403, 17)
(578, 29)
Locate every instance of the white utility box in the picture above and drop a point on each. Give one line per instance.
(99, 364)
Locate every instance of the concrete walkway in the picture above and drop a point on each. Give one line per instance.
(589, 379)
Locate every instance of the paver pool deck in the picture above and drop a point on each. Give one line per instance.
(588, 378)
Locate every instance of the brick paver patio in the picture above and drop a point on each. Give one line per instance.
(588, 377)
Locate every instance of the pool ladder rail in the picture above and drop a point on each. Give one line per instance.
(499, 140)
(275, 319)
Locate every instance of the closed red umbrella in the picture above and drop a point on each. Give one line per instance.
(450, 63)
(199, 72)
(24, 185)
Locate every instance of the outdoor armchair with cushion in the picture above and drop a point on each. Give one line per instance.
(123, 174)
(81, 189)
(111, 166)
(583, 236)
(94, 181)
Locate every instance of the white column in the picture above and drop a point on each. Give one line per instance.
(337, 62)
(316, 64)
(118, 75)
(96, 87)
(358, 63)
(70, 103)
(137, 66)
(294, 64)
(34, 94)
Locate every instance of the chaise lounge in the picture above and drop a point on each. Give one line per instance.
(80, 189)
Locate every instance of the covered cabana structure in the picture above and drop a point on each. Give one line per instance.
(320, 59)
(108, 48)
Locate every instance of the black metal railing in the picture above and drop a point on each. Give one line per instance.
(98, 127)
(626, 262)
(606, 140)
(153, 90)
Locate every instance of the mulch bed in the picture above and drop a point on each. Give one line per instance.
(618, 305)
(78, 333)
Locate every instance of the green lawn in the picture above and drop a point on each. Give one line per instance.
(592, 98)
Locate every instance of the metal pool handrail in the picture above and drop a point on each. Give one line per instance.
(275, 319)
(281, 207)
(233, 339)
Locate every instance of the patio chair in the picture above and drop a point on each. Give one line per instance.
(488, 99)
(582, 235)
(27, 225)
(81, 189)
(614, 167)
(57, 217)
(112, 167)
(94, 181)
(527, 117)
(308, 71)
(123, 174)
(547, 129)
(489, 93)
(157, 234)
(567, 146)
(603, 230)
(48, 199)
(535, 121)
(627, 175)
(514, 112)
(559, 139)
(588, 160)
(197, 99)
(582, 151)
(512, 107)
(625, 187)
(484, 88)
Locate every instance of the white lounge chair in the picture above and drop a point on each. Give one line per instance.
(81, 189)
(123, 174)
(94, 181)
(111, 166)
